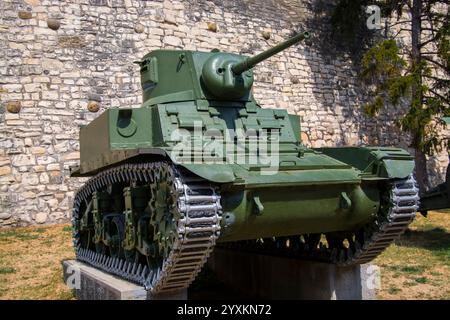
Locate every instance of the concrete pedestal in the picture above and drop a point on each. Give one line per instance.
(93, 284)
(272, 277)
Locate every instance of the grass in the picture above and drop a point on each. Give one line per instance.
(416, 266)
(30, 262)
(421, 280)
(5, 270)
(393, 290)
(412, 269)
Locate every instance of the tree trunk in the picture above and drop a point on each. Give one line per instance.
(416, 29)
(421, 170)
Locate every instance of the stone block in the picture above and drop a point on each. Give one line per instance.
(271, 277)
(93, 284)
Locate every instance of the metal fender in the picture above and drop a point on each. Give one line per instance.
(219, 173)
(374, 162)
(396, 168)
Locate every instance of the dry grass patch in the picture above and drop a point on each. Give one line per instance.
(417, 266)
(30, 262)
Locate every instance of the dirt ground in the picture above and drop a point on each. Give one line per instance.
(30, 262)
(417, 266)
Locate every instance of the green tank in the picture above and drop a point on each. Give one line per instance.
(200, 164)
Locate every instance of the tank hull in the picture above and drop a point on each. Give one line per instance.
(201, 163)
(295, 210)
(300, 191)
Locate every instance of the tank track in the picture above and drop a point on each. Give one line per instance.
(196, 232)
(402, 199)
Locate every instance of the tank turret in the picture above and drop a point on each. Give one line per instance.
(167, 75)
(230, 76)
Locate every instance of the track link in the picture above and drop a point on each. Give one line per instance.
(196, 232)
(404, 205)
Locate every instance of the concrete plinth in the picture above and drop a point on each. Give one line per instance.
(93, 284)
(283, 278)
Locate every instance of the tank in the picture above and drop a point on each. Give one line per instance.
(438, 197)
(201, 164)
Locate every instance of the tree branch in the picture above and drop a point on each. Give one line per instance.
(397, 23)
(428, 41)
(409, 4)
(398, 32)
(434, 78)
(439, 95)
(435, 62)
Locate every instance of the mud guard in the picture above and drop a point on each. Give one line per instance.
(388, 163)
(219, 173)
(396, 168)
(374, 163)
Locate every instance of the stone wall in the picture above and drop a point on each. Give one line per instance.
(60, 61)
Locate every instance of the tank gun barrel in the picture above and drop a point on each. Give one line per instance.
(252, 61)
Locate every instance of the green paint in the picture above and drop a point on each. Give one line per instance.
(313, 190)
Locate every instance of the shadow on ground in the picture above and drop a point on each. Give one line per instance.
(435, 239)
(208, 287)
